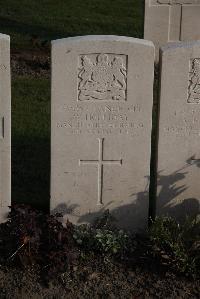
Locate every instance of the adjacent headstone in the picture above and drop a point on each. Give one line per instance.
(102, 90)
(171, 21)
(5, 127)
(179, 131)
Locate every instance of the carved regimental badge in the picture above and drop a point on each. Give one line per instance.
(102, 77)
(194, 82)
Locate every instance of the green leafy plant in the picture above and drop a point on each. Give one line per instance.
(102, 240)
(112, 242)
(103, 237)
(177, 245)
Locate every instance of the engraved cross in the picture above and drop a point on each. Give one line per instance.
(176, 15)
(101, 162)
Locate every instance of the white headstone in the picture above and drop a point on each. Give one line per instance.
(102, 90)
(5, 127)
(179, 131)
(171, 21)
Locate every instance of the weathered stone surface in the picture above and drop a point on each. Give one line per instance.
(5, 127)
(101, 128)
(179, 131)
(171, 21)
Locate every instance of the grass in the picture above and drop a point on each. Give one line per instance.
(49, 19)
(31, 141)
(45, 20)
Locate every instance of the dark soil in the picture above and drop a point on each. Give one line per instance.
(35, 63)
(39, 258)
(96, 279)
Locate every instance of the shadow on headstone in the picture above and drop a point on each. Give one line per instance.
(128, 216)
(170, 189)
(65, 209)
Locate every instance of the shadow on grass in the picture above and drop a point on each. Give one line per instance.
(7, 24)
(31, 172)
(81, 27)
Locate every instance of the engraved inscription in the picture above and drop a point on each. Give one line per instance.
(194, 82)
(101, 162)
(184, 123)
(107, 119)
(102, 77)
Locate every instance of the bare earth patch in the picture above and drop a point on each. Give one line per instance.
(34, 63)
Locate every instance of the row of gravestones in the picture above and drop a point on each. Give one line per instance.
(102, 96)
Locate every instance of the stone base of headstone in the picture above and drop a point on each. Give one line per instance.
(4, 214)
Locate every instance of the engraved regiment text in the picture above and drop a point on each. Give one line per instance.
(87, 119)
